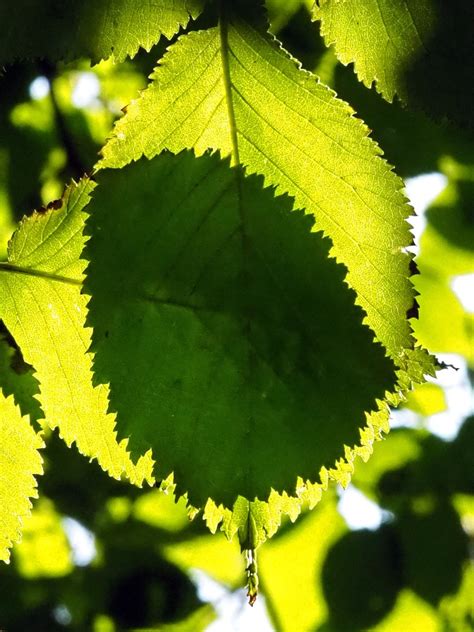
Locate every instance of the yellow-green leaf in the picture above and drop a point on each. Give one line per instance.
(43, 308)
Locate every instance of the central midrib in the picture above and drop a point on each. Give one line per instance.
(224, 50)
(239, 175)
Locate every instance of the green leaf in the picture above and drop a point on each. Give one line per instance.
(20, 461)
(420, 50)
(43, 309)
(230, 340)
(232, 88)
(91, 28)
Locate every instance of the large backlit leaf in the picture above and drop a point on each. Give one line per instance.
(20, 461)
(43, 309)
(234, 89)
(231, 343)
(420, 50)
(91, 28)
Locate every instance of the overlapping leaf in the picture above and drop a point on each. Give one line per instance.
(43, 309)
(420, 50)
(92, 28)
(20, 462)
(232, 88)
(231, 343)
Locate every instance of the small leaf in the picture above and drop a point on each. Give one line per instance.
(20, 461)
(91, 28)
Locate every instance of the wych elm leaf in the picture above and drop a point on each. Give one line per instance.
(230, 340)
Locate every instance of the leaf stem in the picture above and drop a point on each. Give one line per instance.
(10, 267)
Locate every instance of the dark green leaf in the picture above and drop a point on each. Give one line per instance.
(361, 578)
(232, 344)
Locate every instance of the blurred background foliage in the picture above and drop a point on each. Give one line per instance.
(392, 553)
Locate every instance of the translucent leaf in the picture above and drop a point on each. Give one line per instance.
(91, 28)
(20, 462)
(231, 343)
(420, 50)
(43, 309)
(232, 88)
